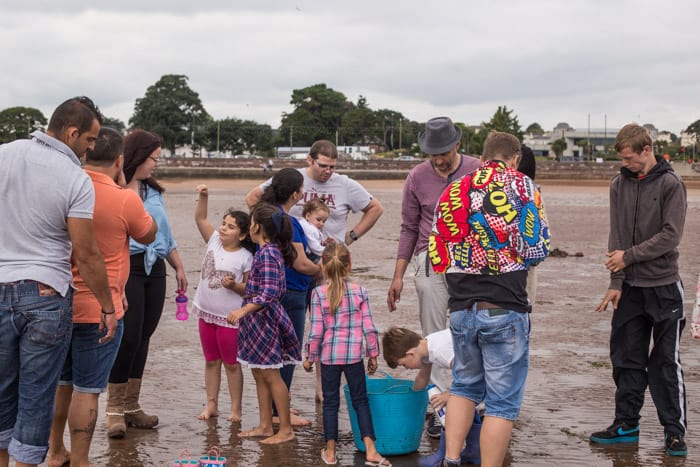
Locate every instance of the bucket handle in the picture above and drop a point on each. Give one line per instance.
(382, 373)
(404, 389)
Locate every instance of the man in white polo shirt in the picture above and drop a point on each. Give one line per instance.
(46, 204)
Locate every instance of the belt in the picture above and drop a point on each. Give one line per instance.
(494, 310)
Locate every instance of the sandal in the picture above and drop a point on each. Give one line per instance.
(380, 463)
(326, 461)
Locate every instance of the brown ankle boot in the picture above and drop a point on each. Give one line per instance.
(133, 413)
(116, 426)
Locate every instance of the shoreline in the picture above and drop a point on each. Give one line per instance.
(382, 170)
(379, 184)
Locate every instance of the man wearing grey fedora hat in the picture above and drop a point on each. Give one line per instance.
(424, 184)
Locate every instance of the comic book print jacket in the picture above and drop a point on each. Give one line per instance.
(489, 222)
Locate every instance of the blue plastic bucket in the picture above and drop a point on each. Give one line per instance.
(398, 415)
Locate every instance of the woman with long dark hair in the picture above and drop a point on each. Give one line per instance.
(145, 289)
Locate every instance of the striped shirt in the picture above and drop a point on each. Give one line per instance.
(337, 339)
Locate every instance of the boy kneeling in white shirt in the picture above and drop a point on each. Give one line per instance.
(403, 347)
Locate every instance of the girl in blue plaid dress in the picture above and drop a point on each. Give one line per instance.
(266, 338)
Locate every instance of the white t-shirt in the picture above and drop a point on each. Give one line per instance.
(314, 236)
(440, 350)
(213, 302)
(340, 193)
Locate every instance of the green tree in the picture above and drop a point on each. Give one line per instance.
(318, 113)
(504, 120)
(558, 147)
(584, 145)
(236, 135)
(20, 122)
(472, 139)
(694, 129)
(173, 110)
(534, 129)
(387, 124)
(357, 123)
(114, 123)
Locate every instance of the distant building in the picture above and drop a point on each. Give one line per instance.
(286, 152)
(688, 139)
(581, 143)
(347, 152)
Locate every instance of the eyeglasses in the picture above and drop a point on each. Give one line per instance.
(155, 159)
(324, 166)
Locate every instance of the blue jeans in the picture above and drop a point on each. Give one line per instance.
(492, 355)
(294, 303)
(88, 362)
(35, 330)
(330, 384)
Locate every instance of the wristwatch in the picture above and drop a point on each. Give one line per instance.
(353, 235)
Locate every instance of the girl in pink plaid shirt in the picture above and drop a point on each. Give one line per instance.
(341, 321)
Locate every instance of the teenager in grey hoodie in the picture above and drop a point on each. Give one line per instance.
(647, 213)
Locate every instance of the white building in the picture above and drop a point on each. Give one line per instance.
(581, 143)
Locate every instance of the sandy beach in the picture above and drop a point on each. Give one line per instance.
(569, 390)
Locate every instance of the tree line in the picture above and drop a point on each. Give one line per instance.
(172, 109)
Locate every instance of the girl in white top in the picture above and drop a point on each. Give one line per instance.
(222, 282)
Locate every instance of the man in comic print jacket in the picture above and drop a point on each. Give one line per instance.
(488, 228)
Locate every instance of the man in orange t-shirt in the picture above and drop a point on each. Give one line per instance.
(119, 213)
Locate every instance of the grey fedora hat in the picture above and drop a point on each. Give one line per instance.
(440, 136)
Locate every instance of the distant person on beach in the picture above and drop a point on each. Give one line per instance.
(266, 338)
(528, 163)
(313, 217)
(46, 210)
(647, 214)
(145, 289)
(225, 270)
(284, 192)
(341, 320)
(119, 214)
(424, 184)
(403, 347)
(489, 227)
(341, 194)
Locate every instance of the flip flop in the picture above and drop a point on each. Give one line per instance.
(327, 462)
(380, 463)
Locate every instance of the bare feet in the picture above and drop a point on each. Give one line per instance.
(279, 437)
(295, 419)
(256, 432)
(294, 411)
(211, 411)
(234, 417)
(58, 459)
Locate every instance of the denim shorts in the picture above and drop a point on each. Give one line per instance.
(491, 359)
(35, 325)
(88, 362)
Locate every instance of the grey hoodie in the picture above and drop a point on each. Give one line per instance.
(647, 216)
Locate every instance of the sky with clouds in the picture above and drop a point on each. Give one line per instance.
(549, 60)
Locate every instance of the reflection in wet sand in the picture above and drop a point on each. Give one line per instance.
(570, 389)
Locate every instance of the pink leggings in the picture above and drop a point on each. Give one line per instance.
(218, 342)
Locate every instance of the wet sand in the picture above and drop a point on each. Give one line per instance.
(569, 391)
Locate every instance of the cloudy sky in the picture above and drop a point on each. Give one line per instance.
(548, 60)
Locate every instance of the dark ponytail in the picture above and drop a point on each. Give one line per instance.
(277, 228)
